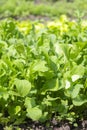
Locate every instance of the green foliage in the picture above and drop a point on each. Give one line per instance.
(42, 72)
(23, 87)
(23, 8)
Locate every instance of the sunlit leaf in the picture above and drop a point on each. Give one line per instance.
(23, 86)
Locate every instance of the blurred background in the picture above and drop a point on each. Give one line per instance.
(41, 9)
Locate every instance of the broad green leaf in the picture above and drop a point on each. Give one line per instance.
(80, 100)
(39, 66)
(58, 49)
(34, 113)
(77, 72)
(66, 50)
(50, 85)
(73, 90)
(76, 90)
(23, 86)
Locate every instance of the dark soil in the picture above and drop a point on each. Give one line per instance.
(50, 125)
(54, 125)
(35, 17)
(29, 17)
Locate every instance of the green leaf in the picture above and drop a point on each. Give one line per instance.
(62, 108)
(50, 85)
(77, 70)
(73, 91)
(34, 113)
(17, 109)
(76, 90)
(19, 63)
(66, 50)
(30, 102)
(39, 66)
(23, 86)
(51, 98)
(80, 100)
(2, 90)
(20, 48)
(3, 68)
(3, 45)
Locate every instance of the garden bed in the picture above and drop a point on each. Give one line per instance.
(43, 71)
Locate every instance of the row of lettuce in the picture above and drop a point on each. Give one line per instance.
(43, 70)
(41, 8)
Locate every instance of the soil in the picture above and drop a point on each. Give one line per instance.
(29, 17)
(54, 125)
(35, 17)
(50, 125)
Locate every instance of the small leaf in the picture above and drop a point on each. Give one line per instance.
(17, 109)
(67, 84)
